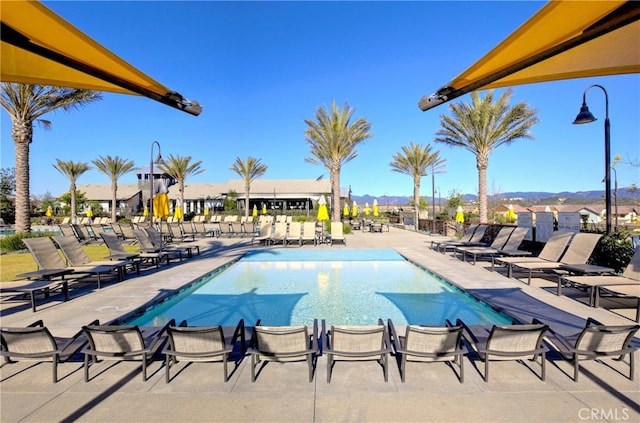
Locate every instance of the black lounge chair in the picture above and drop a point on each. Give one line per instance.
(32, 288)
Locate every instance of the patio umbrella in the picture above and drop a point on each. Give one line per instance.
(49, 212)
(161, 202)
(145, 213)
(345, 212)
(511, 214)
(206, 211)
(255, 211)
(323, 214)
(89, 212)
(354, 209)
(264, 208)
(376, 212)
(177, 214)
(459, 215)
(367, 210)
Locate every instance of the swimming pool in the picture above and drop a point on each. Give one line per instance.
(343, 286)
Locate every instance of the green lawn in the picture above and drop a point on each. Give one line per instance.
(16, 263)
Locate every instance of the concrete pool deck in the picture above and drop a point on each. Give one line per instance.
(357, 392)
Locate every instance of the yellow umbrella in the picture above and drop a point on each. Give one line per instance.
(376, 212)
(161, 202)
(323, 214)
(367, 210)
(145, 213)
(177, 214)
(206, 211)
(49, 212)
(354, 209)
(459, 215)
(345, 212)
(511, 214)
(89, 212)
(255, 211)
(264, 208)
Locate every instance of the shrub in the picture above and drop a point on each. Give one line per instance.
(12, 243)
(614, 250)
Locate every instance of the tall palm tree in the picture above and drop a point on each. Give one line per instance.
(249, 170)
(414, 160)
(333, 139)
(180, 168)
(483, 126)
(72, 170)
(114, 168)
(25, 104)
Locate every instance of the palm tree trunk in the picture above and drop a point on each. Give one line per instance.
(482, 193)
(335, 193)
(22, 133)
(416, 200)
(114, 200)
(72, 192)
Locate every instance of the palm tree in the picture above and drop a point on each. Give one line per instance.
(114, 168)
(414, 160)
(72, 170)
(333, 139)
(249, 170)
(180, 168)
(25, 104)
(483, 126)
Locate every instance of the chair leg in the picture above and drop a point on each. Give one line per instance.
(144, 368)
(385, 362)
(253, 367)
(543, 365)
(461, 366)
(403, 364)
(167, 364)
(55, 368)
(310, 364)
(86, 367)
(224, 367)
(486, 369)
(576, 367)
(329, 365)
(632, 366)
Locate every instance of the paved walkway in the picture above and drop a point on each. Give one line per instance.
(357, 392)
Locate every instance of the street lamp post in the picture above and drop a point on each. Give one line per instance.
(585, 116)
(615, 194)
(158, 160)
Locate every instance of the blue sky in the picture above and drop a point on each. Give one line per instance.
(260, 69)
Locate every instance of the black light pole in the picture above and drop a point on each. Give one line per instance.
(585, 116)
(615, 194)
(159, 160)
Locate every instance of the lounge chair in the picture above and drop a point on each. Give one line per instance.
(429, 344)
(552, 251)
(308, 233)
(280, 233)
(506, 342)
(32, 288)
(337, 234)
(466, 237)
(283, 344)
(46, 255)
(201, 344)
(118, 252)
(357, 343)
(120, 343)
(148, 248)
(498, 243)
(630, 277)
(264, 236)
(158, 243)
(36, 343)
(595, 342)
(295, 233)
(474, 241)
(580, 249)
(79, 260)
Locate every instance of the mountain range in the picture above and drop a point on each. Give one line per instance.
(586, 196)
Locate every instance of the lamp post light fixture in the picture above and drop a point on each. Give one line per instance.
(585, 116)
(159, 161)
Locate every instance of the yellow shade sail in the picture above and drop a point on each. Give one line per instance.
(39, 47)
(564, 40)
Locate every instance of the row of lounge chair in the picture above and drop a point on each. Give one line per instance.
(61, 257)
(299, 232)
(305, 343)
(565, 256)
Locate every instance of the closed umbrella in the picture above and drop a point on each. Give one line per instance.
(459, 215)
(206, 211)
(323, 213)
(145, 213)
(177, 213)
(511, 214)
(345, 212)
(367, 210)
(89, 212)
(376, 212)
(264, 208)
(354, 209)
(255, 211)
(161, 202)
(49, 212)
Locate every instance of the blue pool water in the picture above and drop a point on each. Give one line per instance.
(343, 286)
